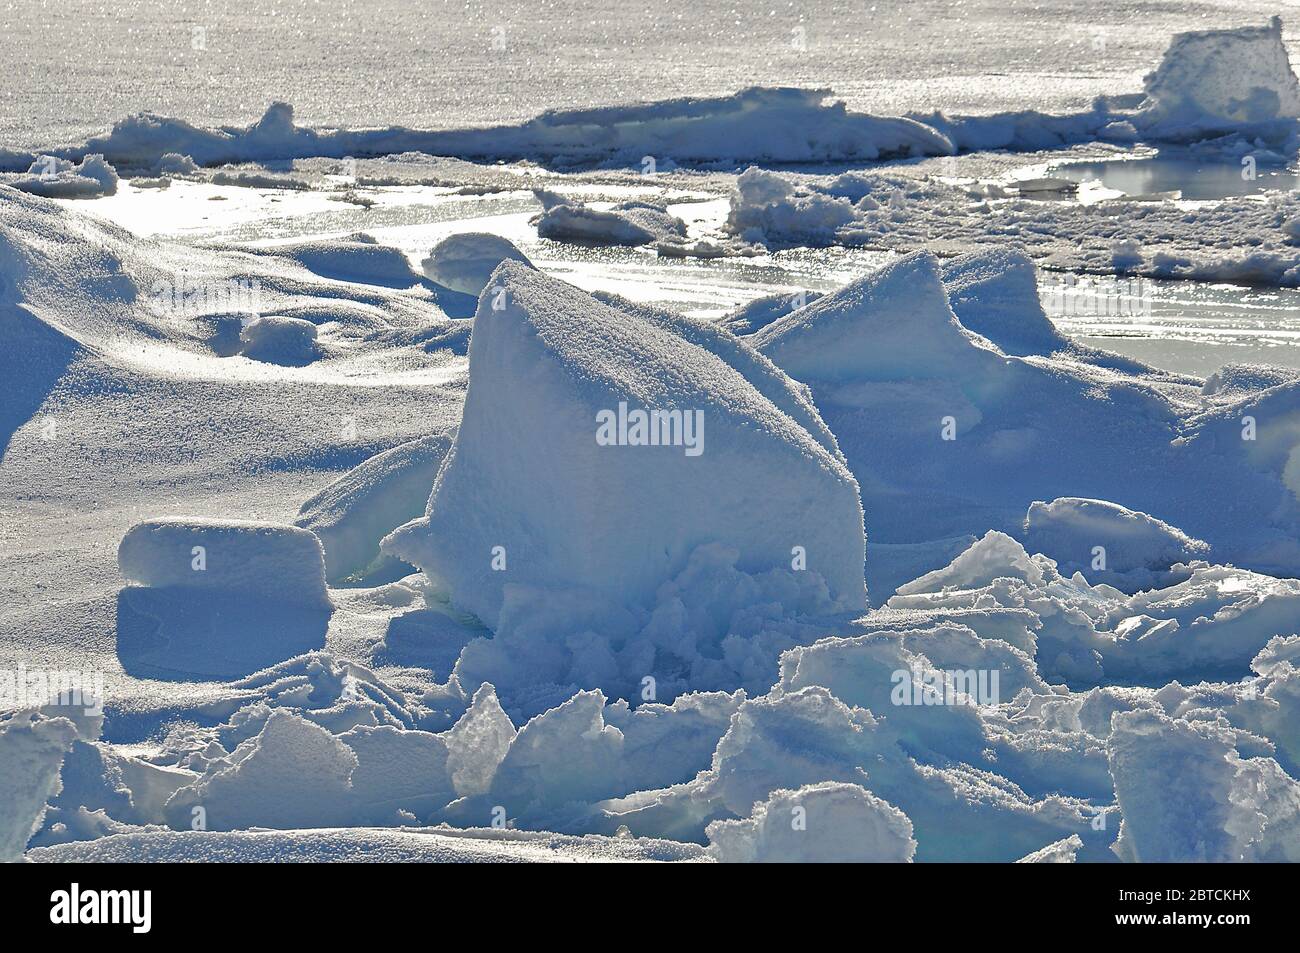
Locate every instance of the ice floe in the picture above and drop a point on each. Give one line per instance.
(593, 371)
(1239, 241)
(627, 223)
(756, 124)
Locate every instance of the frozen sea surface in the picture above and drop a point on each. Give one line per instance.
(73, 67)
(245, 404)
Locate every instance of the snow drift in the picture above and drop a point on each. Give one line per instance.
(279, 340)
(994, 293)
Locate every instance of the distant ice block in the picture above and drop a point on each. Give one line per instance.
(237, 557)
(581, 496)
(1217, 81)
(174, 164)
(767, 208)
(464, 262)
(57, 178)
(628, 223)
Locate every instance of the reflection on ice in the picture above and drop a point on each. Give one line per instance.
(1190, 176)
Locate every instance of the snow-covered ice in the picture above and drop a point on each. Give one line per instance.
(628, 223)
(1115, 545)
(53, 177)
(465, 261)
(32, 747)
(562, 388)
(1215, 81)
(848, 823)
(354, 513)
(755, 501)
(248, 559)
